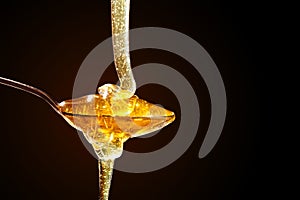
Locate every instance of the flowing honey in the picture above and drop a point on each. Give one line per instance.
(120, 40)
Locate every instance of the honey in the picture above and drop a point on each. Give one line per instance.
(120, 39)
(107, 120)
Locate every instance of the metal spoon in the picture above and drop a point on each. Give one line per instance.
(32, 90)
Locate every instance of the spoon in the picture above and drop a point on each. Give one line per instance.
(107, 120)
(32, 90)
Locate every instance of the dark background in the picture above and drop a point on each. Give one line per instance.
(43, 44)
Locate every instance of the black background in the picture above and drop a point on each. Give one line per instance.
(43, 44)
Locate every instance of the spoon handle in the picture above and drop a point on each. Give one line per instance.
(32, 90)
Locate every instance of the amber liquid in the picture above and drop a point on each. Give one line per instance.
(120, 39)
(107, 120)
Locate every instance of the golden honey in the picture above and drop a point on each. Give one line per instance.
(107, 120)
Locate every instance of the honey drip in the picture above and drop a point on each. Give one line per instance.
(120, 38)
(105, 175)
